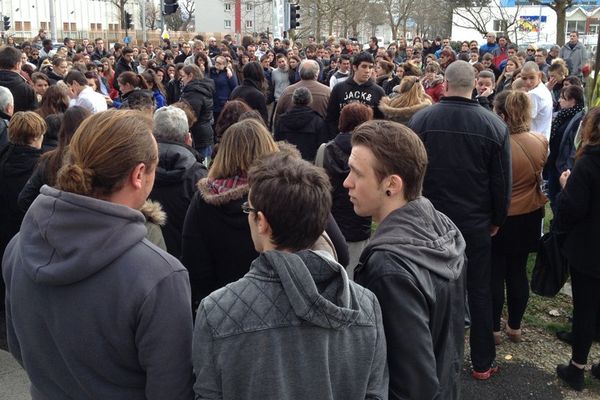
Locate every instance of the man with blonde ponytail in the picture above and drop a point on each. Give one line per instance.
(94, 310)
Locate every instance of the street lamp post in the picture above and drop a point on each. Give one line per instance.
(51, 14)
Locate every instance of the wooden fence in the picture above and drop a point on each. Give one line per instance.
(117, 36)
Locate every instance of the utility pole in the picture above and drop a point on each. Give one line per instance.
(162, 16)
(53, 32)
(143, 21)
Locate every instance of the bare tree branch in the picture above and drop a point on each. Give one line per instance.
(120, 8)
(479, 18)
(152, 15)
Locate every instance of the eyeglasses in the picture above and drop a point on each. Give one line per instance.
(247, 209)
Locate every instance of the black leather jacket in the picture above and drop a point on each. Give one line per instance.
(415, 265)
(469, 176)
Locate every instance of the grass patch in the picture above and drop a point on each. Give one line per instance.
(539, 308)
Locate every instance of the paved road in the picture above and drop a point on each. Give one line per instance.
(14, 384)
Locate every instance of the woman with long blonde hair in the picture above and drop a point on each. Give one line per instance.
(521, 231)
(410, 98)
(216, 244)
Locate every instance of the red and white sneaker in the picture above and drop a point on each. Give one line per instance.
(483, 376)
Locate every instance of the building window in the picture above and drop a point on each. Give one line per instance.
(96, 26)
(249, 6)
(500, 25)
(227, 24)
(18, 26)
(249, 23)
(27, 26)
(227, 6)
(44, 25)
(113, 27)
(69, 26)
(578, 26)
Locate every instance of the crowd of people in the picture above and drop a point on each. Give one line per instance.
(272, 219)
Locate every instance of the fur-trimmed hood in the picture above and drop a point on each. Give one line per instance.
(402, 114)
(439, 79)
(222, 198)
(153, 213)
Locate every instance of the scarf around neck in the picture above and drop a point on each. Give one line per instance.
(565, 114)
(219, 186)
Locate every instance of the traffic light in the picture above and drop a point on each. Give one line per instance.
(170, 7)
(128, 20)
(6, 23)
(294, 16)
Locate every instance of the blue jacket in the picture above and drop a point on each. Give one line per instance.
(224, 86)
(488, 48)
(159, 98)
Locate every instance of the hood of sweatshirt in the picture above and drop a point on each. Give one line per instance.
(316, 286)
(66, 238)
(174, 160)
(299, 118)
(419, 233)
(594, 152)
(338, 152)
(11, 79)
(204, 87)
(17, 160)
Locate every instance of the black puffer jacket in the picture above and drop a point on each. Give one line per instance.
(25, 98)
(16, 166)
(4, 120)
(179, 169)
(199, 94)
(54, 77)
(121, 67)
(335, 162)
(217, 247)
(304, 128)
(578, 213)
(253, 96)
(469, 176)
(173, 91)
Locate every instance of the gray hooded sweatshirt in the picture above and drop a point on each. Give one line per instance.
(294, 327)
(415, 264)
(94, 310)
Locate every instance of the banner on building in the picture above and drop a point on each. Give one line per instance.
(531, 23)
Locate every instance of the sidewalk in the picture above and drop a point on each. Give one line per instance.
(14, 384)
(528, 369)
